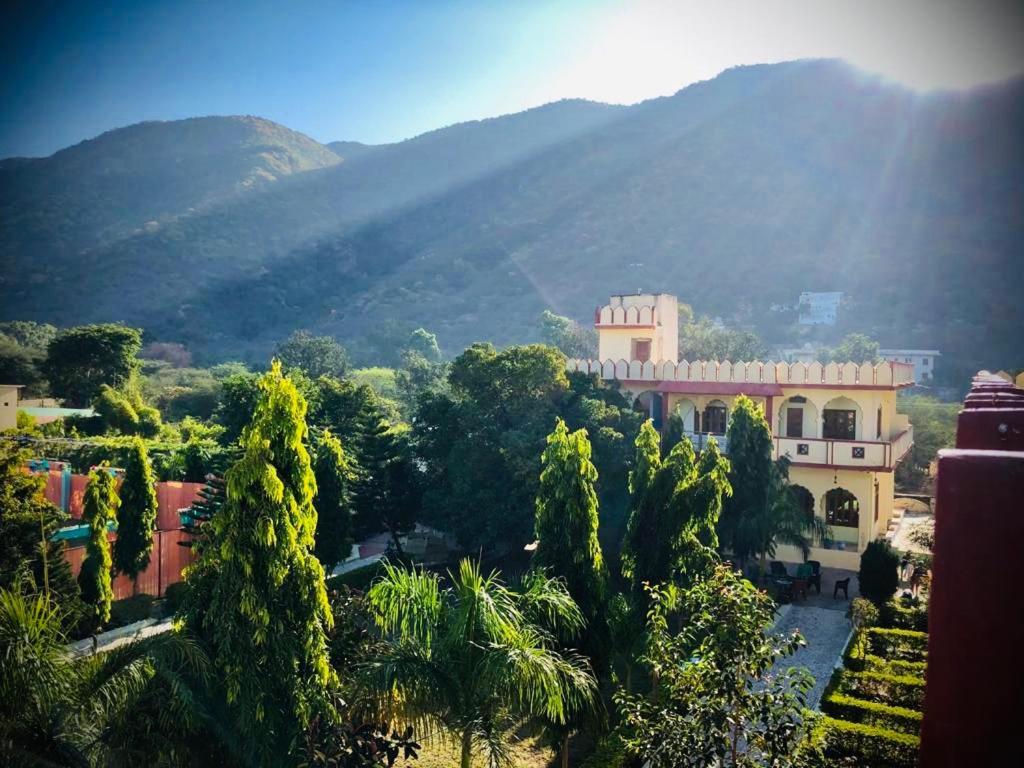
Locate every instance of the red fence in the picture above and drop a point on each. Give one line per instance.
(976, 626)
(165, 565)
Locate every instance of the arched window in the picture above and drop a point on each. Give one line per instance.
(715, 418)
(842, 508)
(804, 500)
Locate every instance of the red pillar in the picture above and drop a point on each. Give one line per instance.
(976, 625)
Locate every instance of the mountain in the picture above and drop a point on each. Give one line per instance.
(349, 150)
(736, 194)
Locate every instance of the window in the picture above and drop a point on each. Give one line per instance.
(794, 422)
(840, 424)
(642, 350)
(841, 508)
(878, 425)
(715, 419)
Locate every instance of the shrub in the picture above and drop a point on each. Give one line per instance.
(130, 610)
(867, 745)
(879, 574)
(872, 713)
(901, 614)
(871, 663)
(884, 688)
(609, 752)
(897, 644)
(174, 596)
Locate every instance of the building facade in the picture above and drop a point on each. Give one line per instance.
(923, 361)
(837, 423)
(9, 405)
(819, 308)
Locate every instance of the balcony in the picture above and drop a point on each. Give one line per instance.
(700, 440)
(852, 454)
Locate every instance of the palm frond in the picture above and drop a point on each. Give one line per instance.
(408, 603)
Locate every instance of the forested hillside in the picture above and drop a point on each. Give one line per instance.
(735, 194)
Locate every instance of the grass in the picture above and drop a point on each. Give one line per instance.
(526, 753)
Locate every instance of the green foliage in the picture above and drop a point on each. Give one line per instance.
(897, 614)
(124, 412)
(257, 592)
(21, 365)
(174, 597)
(855, 347)
(28, 334)
(566, 528)
(868, 745)
(81, 360)
(934, 428)
(703, 339)
(130, 610)
(476, 657)
(99, 508)
(136, 515)
(569, 337)
(671, 534)
(424, 343)
(333, 502)
(879, 574)
(905, 691)
(27, 519)
(714, 702)
(239, 394)
(872, 663)
(855, 710)
(313, 355)
(897, 644)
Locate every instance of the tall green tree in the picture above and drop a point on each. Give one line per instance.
(855, 347)
(29, 558)
(314, 355)
(258, 596)
(80, 360)
(674, 527)
(99, 508)
(569, 337)
(238, 397)
(424, 343)
(333, 502)
(646, 463)
(761, 511)
(475, 658)
(566, 524)
(136, 517)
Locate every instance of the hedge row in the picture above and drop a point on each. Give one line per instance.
(872, 663)
(884, 688)
(897, 644)
(867, 745)
(871, 713)
(898, 616)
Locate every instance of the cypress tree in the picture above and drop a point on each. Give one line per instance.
(333, 502)
(99, 508)
(136, 518)
(258, 596)
(566, 522)
(646, 463)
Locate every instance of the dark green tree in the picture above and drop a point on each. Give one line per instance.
(258, 597)
(566, 528)
(855, 348)
(388, 490)
(569, 337)
(99, 508)
(333, 502)
(313, 355)
(238, 397)
(80, 360)
(716, 700)
(424, 343)
(646, 463)
(879, 574)
(29, 558)
(671, 539)
(704, 339)
(136, 516)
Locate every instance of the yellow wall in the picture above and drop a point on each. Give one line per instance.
(8, 407)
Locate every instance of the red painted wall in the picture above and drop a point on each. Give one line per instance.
(166, 563)
(975, 681)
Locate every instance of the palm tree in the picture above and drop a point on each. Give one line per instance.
(56, 710)
(475, 657)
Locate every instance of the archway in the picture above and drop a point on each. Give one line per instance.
(841, 419)
(715, 418)
(797, 417)
(649, 404)
(842, 509)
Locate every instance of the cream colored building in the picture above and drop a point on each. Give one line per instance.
(837, 423)
(9, 405)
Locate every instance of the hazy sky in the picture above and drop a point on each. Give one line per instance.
(379, 71)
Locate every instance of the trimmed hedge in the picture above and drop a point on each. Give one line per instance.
(895, 615)
(884, 688)
(897, 644)
(899, 719)
(871, 663)
(867, 745)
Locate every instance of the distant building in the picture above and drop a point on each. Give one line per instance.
(9, 405)
(837, 423)
(923, 361)
(819, 308)
(805, 354)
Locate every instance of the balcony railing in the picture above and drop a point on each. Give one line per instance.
(700, 440)
(855, 454)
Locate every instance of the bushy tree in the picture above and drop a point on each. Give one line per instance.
(475, 658)
(855, 347)
(313, 355)
(646, 463)
(675, 520)
(136, 515)
(333, 502)
(879, 574)
(94, 580)
(29, 558)
(566, 527)
(238, 397)
(388, 488)
(714, 701)
(424, 343)
(124, 412)
(703, 339)
(80, 360)
(258, 596)
(569, 337)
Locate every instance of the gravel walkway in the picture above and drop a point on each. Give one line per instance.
(826, 632)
